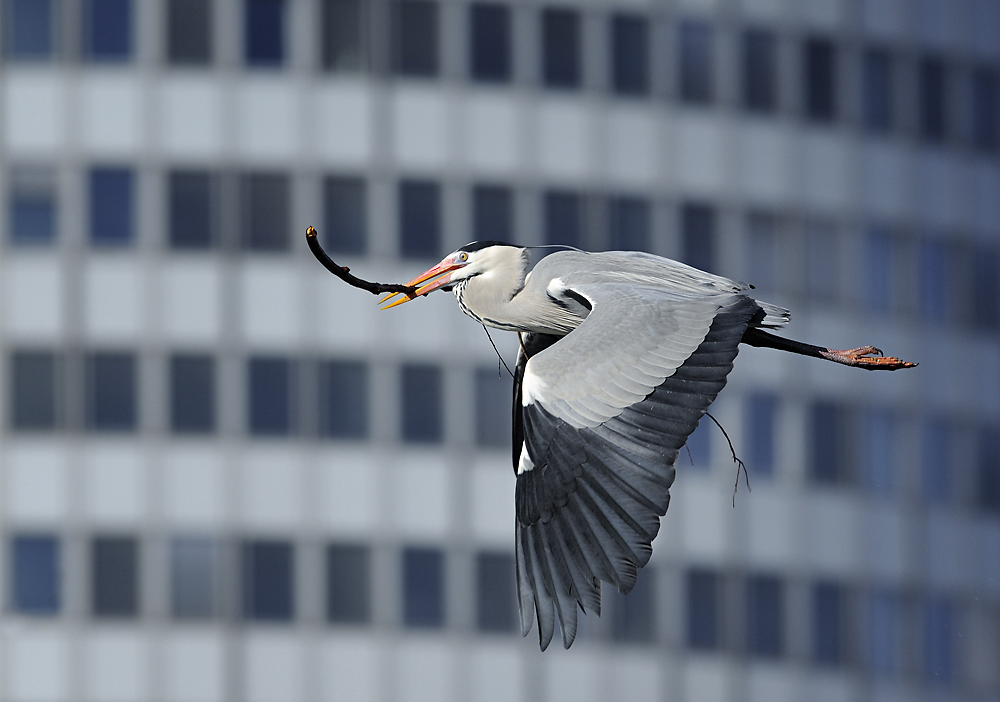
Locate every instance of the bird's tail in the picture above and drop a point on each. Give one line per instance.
(773, 316)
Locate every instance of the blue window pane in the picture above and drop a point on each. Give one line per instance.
(989, 470)
(497, 600)
(192, 393)
(938, 637)
(422, 404)
(932, 99)
(346, 215)
(32, 218)
(759, 432)
(115, 577)
(348, 582)
(264, 26)
(423, 587)
(760, 85)
(696, 65)
(829, 450)
(935, 444)
(493, 393)
(193, 579)
(343, 393)
(883, 633)
(34, 396)
(985, 108)
(878, 261)
(111, 392)
(270, 410)
(630, 46)
(414, 37)
(765, 616)
(490, 42)
(563, 220)
(111, 206)
(35, 566)
(879, 430)
(29, 28)
(699, 445)
(933, 293)
(492, 213)
(561, 48)
(986, 288)
(820, 79)
(107, 28)
(876, 85)
(191, 210)
(827, 627)
(419, 219)
(268, 585)
(698, 236)
(629, 225)
(703, 616)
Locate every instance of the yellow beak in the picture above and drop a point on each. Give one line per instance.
(439, 276)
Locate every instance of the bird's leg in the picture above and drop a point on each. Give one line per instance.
(867, 357)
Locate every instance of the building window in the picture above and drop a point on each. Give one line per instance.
(35, 577)
(115, 576)
(107, 30)
(268, 581)
(111, 392)
(630, 54)
(271, 384)
(634, 615)
(490, 42)
(760, 69)
(765, 616)
(699, 445)
(933, 290)
(879, 437)
(697, 84)
(985, 108)
(264, 32)
(28, 26)
(884, 632)
(563, 218)
(880, 268)
(629, 224)
(493, 393)
(346, 210)
(192, 224)
(703, 616)
(496, 603)
(422, 404)
(986, 289)
(820, 80)
(935, 461)
(344, 44)
(877, 88)
(492, 213)
(423, 587)
(265, 203)
(938, 641)
(33, 396)
(561, 48)
(343, 397)
(189, 32)
(761, 413)
(932, 99)
(32, 207)
(828, 430)
(762, 247)
(111, 193)
(193, 577)
(415, 38)
(827, 620)
(348, 584)
(192, 394)
(698, 236)
(822, 280)
(989, 470)
(419, 219)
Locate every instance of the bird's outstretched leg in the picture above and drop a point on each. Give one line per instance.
(867, 357)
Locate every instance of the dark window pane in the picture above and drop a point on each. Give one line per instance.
(271, 383)
(493, 394)
(827, 607)
(932, 99)
(884, 632)
(415, 38)
(989, 470)
(492, 213)
(348, 584)
(110, 206)
(932, 292)
(28, 28)
(346, 205)
(343, 35)
(879, 263)
(563, 218)
(192, 577)
(422, 404)
(630, 54)
(191, 221)
(698, 236)
(765, 620)
(33, 391)
(35, 575)
(268, 588)
(938, 638)
(497, 601)
(111, 392)
(264, 27)
(695, 60)
(935, 461)
(827, 432)
(760, 84)
(189, 31)
(629, 225)
(266, 208)
(32, 217)
(986, 289)
(107, 29)
(115, 577)
(423, 587)
(343, 399)
(761, 410)
(703, 590)
(879, 436)
(820, 80)
(876, 86)
(985, 108)
(698, 447)
(192, 394)
(634, 614)
(822, 275)
(561, 48)
(419, 219)
(762, 252)
(490, 38)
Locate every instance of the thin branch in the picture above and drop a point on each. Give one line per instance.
(344, 273)
(499, 357)
(739, 463)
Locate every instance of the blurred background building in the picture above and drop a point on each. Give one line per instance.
(224, 475)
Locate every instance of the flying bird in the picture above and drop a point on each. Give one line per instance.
(620, 355)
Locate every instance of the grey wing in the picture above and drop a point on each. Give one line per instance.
(589, 498)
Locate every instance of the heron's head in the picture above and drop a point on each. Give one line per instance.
(480, 258)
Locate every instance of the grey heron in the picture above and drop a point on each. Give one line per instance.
(621, 354)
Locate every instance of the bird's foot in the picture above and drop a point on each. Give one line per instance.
(867, 357)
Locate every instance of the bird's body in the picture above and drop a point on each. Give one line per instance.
(621, 354)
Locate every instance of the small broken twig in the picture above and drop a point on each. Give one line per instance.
(344, 273)
(740, 465)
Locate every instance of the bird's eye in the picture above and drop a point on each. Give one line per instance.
(463, 256)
